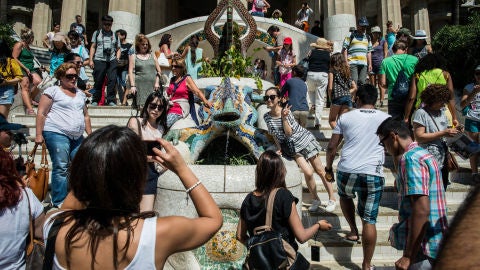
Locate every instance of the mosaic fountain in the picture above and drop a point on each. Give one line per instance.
(233, 127)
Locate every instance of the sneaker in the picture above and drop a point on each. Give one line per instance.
(331, 205)
(111, 103)
(315, 206)
(94, 103)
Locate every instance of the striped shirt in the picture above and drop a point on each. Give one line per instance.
(357, 48)
(420, 175)
(300, 136)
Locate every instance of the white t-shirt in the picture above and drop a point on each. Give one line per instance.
(66, 115)
(14, 227)
(474, 112)
(361, 152)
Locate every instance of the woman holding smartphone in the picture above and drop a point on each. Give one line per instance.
(150, 126)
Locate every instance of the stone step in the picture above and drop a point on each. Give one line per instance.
(96, 119)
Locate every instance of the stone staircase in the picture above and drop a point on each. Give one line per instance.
(334, 252)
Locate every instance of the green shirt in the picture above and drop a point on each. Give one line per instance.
(392, 65)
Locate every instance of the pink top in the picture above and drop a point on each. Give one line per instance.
(254, 7)
(180, 93)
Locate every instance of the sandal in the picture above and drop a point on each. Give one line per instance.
(353, 239)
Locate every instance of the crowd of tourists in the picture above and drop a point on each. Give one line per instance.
(100, 207)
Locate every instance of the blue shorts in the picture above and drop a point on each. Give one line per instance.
(369, 189)
(6, 95)
(472, 125)
(345, 100)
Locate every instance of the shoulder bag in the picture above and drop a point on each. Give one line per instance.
(35, 249)
(450, 161)
(268, 250)
(163, 61)
(37, 180)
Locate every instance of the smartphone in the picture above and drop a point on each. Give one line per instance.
(315, 251)
(149, 145)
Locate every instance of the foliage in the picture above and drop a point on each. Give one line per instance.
(232, 64)
(460, 46)
(6, 31)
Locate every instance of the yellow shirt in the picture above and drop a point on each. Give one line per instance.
(12, 70)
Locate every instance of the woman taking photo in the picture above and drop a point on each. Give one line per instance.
(101, 214)
(269, 175)
(143, 70)
(15, 200)
(180, 94)
(61, 120)
(150, 126)
(11, 76)
(294, 141)
(430, 125)
(21, 52)
(317, 76)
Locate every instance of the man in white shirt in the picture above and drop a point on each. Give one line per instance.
(360, 169)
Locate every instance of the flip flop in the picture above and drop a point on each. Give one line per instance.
(352, 241)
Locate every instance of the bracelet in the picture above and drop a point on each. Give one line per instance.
(191, 188)
(133, 86)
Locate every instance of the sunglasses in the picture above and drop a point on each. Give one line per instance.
(381, 143)
(176, 66)
(76, 62)
(107, 24)
(153, 106)
(71, 76)
(271, 97)
(477, 73)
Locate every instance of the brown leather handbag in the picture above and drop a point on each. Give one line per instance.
(37, 180)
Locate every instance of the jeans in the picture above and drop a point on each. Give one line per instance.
(121, 82)
(101, 69)
(62, 149)
(257, 13)
(317, 87)
(359, 73)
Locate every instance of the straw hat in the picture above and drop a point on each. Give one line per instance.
(59, 36)
(277, 11)
(322, 44)
(420, 34)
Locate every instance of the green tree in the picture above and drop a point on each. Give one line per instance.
(6, 31)
(460, 46)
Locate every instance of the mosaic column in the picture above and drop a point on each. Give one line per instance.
(71, 8)
(389, 10)
(126, 16)
(339, 17)
(420, 18)
(41, 21)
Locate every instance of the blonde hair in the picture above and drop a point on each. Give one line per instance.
(180, 62)
(62, 69)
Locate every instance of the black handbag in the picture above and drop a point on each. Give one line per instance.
(35, 249)
(267, 249)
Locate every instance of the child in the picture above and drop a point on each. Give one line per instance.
(286, 60)
(259, 68)
(340, 88)
(277, 15)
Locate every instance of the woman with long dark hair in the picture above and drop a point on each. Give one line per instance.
(150, 126)
(15, 200)
(269, 175)
(164, 46)
(192, 55)
(102, 226)
(11, 75)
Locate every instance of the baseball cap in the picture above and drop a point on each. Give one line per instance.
(287, 40)
(363, 21)
(4, 125)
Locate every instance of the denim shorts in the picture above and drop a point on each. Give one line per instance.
(345, 100)
(369, 189)
(6, 95)
(312, 149)
(472, 125)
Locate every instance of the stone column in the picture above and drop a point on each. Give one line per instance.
(126, 16)
(3, 11)
(41, 21)
(339, 17)
(420, 18)
(71, 8)
(389, 10)
(156, 11)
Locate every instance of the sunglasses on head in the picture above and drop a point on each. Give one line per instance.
(71, 76)
(271, 97)
(153, 106)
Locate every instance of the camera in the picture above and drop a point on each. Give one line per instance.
(131, 96)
